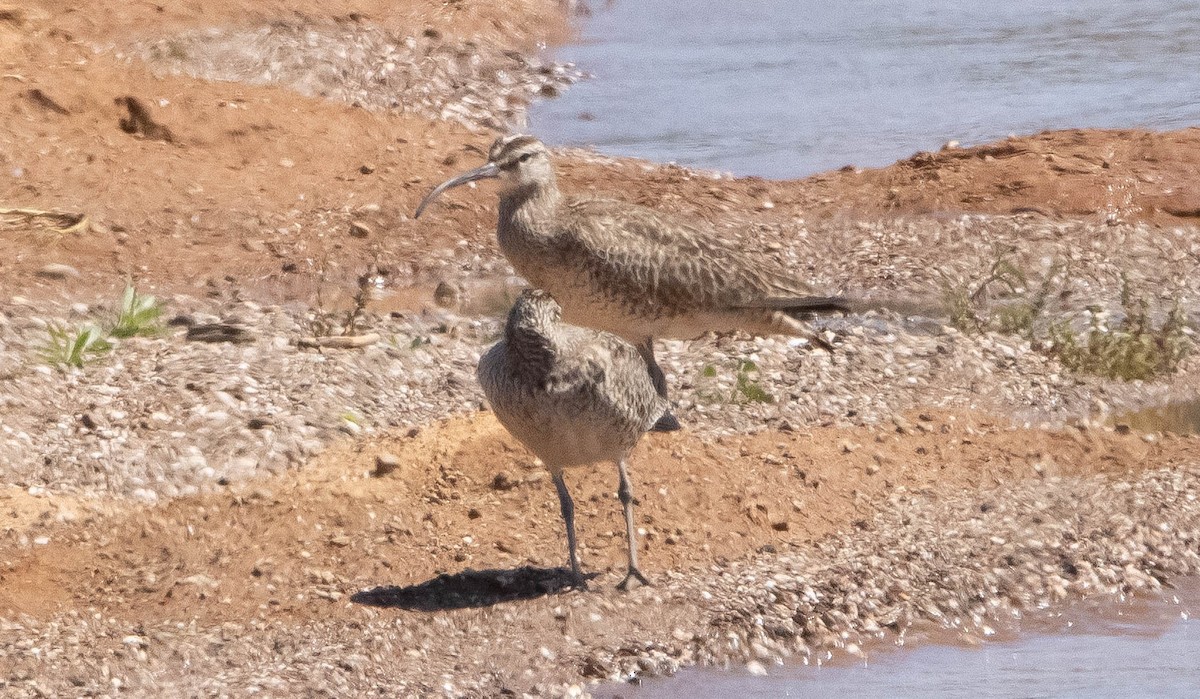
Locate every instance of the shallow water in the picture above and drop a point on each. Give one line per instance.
(1147, 648)
(785, 88)
(1180, 418)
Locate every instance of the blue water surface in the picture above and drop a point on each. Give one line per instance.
(785, 88)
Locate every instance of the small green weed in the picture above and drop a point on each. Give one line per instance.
(1135, 349)
(963, 298)
(327, 322)
(74, 348)
(746, 388)
(1132, 348)
(139, 316)
(960, 307)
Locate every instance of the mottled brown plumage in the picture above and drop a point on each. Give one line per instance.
(573, 397)
(631, 270)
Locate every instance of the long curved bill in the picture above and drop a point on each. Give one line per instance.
(480, 173)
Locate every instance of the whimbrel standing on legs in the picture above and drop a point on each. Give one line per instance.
(631, 270)
(573, 396)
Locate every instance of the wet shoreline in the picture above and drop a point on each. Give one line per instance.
(1140, 643)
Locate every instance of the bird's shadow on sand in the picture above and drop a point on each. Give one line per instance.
(472, 588)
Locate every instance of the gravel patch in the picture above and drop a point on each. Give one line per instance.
(1008, 553)
(470, 83)
(967, 563)
(164, 417)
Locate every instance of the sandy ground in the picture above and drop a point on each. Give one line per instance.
(275, 583)
(327, 580)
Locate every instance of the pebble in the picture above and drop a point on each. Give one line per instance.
(385, 464)
(55, 270)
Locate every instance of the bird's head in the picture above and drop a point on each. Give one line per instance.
(534, 308)
(518, 161)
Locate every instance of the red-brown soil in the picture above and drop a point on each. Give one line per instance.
(467, 480)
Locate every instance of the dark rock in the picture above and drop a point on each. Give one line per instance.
(220, 332)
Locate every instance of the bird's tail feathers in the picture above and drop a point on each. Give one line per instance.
(803, 305)
(666, 423)
(809, 306)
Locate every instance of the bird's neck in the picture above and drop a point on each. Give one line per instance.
(528, 211)
(533, 344)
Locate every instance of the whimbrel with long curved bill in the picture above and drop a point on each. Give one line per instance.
(631, 270)
(573, 396)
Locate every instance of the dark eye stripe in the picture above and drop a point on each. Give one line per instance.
(512, 162)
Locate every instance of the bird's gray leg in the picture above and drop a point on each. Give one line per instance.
(668, 422)
(568, 514)
(646, 349)
(625, 492)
